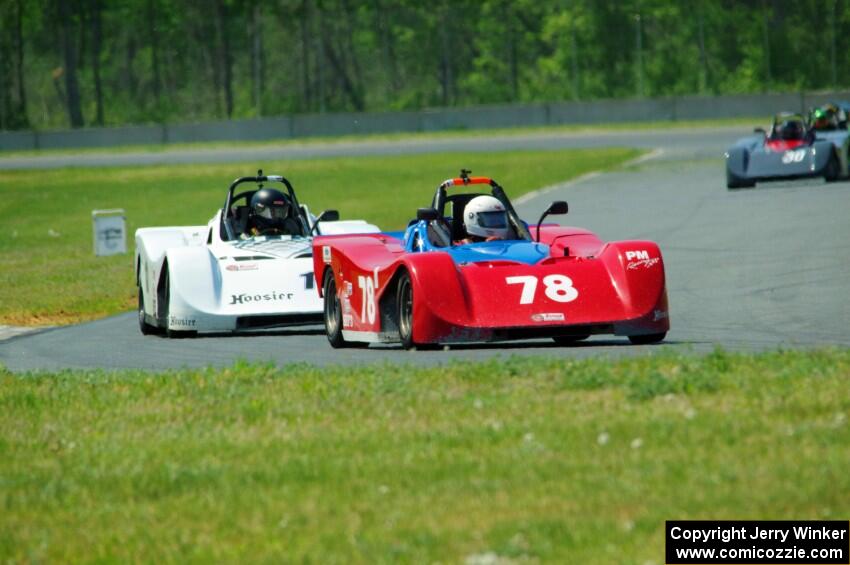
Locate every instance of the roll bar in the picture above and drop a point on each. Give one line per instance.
(439, 201)
(260, 178)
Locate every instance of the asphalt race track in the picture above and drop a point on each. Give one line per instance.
(747, 270)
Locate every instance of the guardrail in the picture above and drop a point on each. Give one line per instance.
(475, 117)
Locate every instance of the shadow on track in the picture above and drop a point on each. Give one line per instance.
(277, 332)
(524, 345)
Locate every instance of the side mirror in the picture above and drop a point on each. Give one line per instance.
(326, 216)
(558, 207)
(427, 214)
(759, 130)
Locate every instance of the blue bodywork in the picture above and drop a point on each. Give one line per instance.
(415, 240)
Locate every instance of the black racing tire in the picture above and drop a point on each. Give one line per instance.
(832, 170)
(734, 181)
(404, 301)
(144, 326)
(569, 339)
(173, 334)
(332, 313)
(646, 339)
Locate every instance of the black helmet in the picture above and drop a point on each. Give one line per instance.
(269, 209)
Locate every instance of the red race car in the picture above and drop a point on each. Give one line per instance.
(468, 269)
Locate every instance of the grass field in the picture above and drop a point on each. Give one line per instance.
(445, 134)
(48, 274)
(577, 461)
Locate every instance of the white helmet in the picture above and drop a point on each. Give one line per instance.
(485, 216)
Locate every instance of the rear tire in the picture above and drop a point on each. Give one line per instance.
(404, 300)
(569, 339)
(173, 334)
(646, 339)
(833, 168)
(333, 313)
(144, 327)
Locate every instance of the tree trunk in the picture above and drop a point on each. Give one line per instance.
(82, 9)
(225, 56)
(574, 61)
(342, 73)
(257, 57)
(512, 52)
(21, 120)
(703, 58)
(639, 54)
(445, 56)
(356, 77)
(320, 61)
(5, 72)
(72, 87)
(153, 37)
(306, 86)
(207, 38)
(131, 83)
(832, 37)
(13, 107)
(384, 32)
(97, 44)
(766, 34)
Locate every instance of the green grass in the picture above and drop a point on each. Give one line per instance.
(563, 461)
(49, 275)
(405, 136)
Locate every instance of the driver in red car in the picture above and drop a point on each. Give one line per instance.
(788, 128)
(485, 219)
(789, 131)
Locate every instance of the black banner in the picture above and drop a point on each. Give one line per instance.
(694, 542)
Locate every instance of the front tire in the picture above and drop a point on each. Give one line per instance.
(173, 334)
(646, 339)
(404, 300)
(144, 327)
(333, 313)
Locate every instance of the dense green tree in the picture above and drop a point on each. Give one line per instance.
(70, 62)
(13, 103)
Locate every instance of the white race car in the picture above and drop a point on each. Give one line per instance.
(220, 277)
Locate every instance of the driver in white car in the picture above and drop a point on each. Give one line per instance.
(270, 214)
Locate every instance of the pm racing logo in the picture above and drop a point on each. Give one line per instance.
(245, 298)
(640, 258)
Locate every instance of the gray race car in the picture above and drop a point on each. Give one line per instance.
(791, 149)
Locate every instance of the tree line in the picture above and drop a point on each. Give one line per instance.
(108, 62)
